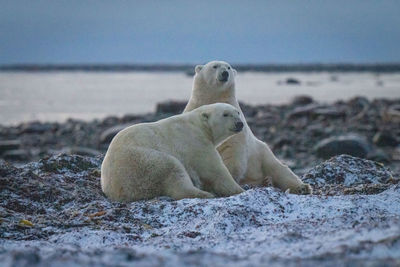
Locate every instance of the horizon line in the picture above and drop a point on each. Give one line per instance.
(189, 67)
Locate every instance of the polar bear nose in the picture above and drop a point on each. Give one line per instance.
(238, 126)
(225, 74)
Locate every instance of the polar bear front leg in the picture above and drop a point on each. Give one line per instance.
(234, 154)
(281, 175)
(217, 179)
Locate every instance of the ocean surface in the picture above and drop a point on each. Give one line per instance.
(57, 96)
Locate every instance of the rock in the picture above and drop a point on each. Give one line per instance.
(292, 81)
(346, 144)
(334, 78)
(83, 151)
(107, 135)
(315, 110)
(248, 110)
(303, 111)
(378, 155)
(385, 138)
(171, 107)
(6, 145)
(302, 100)
(359, 102)
(349, 171)
(16, 155)
(331, 112)
(63, 163)
(37, 127)
(392, 114)
(131, 118)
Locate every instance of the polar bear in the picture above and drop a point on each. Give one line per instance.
(249, 160)
(173, 157)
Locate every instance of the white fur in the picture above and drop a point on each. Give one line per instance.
(249, 160)
(173, 157)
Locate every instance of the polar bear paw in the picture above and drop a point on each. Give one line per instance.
(303, 189)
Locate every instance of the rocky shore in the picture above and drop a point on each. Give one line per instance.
(302, 133)
(53, 213)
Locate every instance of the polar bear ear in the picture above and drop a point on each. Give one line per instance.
(205, 115)
(234, 72)
(198, 68)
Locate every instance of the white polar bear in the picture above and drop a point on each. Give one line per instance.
(249, 160)
(173, 157)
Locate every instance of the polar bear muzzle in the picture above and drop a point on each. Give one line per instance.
(238, 126)
(223, 76)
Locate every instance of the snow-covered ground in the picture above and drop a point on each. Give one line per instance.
(73, 223)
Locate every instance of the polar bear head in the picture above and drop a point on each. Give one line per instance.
(221, 121)
(218, 76)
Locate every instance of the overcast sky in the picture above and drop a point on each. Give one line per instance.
(56, 31)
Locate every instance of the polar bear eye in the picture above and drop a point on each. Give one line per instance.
(226, 115)
(229, 68)
(215, 66)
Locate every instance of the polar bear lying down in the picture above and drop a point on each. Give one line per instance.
(173, 157)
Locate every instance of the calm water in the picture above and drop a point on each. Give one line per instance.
(88, 95)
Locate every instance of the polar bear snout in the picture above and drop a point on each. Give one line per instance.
(238, 126)
(223, 77)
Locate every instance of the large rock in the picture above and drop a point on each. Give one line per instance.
(352, 144)
(349, 171)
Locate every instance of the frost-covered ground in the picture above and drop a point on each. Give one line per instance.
(54, 213)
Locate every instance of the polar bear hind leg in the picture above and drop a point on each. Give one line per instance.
(140, 173)
(281, 175)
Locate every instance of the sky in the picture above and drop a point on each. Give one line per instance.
(258, 32)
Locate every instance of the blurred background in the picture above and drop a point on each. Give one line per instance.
(73, 73)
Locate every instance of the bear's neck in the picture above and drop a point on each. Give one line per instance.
(212, 95)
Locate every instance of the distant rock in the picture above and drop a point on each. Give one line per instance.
(378, 155)
(83, 151)
(107, 135)
(302, 100)
(314, 110)
(171, 107)
(6, 145)
(303, 110)
(351, 144)
(16, 155)
(292, 81)
(37, 127)
(385, 138)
